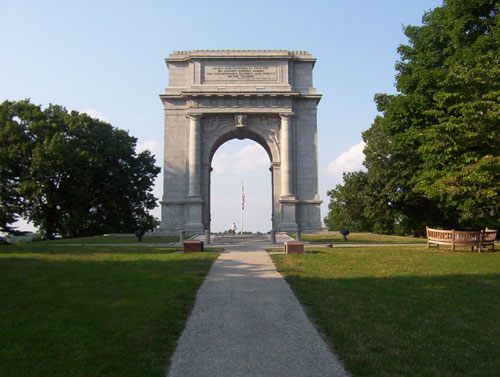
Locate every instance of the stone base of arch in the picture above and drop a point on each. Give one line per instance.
(173, 222)
(194, 221)
(288, 215)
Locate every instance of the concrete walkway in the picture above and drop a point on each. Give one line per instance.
(244, 240)
(247, 322)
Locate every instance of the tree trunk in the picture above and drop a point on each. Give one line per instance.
(50, 225)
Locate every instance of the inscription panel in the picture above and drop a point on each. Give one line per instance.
(240, 73)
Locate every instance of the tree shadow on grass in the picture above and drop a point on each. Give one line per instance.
(444, 325)
(314, 252)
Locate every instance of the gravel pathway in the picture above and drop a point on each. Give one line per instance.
(247, 322)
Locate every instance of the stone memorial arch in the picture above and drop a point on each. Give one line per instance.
(218, 95)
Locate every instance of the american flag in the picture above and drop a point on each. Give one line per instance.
(242, 197)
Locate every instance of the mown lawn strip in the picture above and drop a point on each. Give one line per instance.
(336, 237)
(88, 312)
(403, 311)
(94, 240)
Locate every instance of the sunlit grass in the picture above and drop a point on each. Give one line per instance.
(334, 237)
(115, 240)
(403, 311)
(94, 311)
(87, 250)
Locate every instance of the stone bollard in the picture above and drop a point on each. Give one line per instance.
(294, 247)
(182, 234)
(193, 246)
(298, 235)
(207, 237)
(273, 236)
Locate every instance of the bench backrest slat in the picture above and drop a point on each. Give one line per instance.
(481, 237)
(489, 235)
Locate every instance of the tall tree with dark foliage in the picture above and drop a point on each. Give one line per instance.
(71, 174)
(434, 152)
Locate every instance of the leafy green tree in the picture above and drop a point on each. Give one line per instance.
(77, 175)
(462, 150)
(347, 204)
(453, 62)
(13, 161)
(393, 165)
(433, 155)
(358, 205)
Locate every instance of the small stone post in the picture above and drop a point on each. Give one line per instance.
(182, 234)
(207, 237)
(298, 235)
(273, 236)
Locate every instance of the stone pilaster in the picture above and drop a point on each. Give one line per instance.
(286, 155)
(288, 203)
(194, 201)
(194, 155)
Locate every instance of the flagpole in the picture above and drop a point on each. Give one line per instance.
(242, 206)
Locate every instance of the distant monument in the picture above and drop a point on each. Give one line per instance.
(218, 95)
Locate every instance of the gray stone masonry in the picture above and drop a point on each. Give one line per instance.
(218, 95)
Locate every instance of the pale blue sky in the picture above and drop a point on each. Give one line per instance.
(106, 57)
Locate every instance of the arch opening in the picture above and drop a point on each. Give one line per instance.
(237, 160)
(240, 134)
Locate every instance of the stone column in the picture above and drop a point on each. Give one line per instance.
(206, 172)
(288, 202)
(194, 155)
(194, 201)
(286, 155)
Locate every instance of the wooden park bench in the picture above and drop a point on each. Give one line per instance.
(476, 239)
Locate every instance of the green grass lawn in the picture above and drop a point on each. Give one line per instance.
(94, 311)
(334, 237)
(67, 249)
(115, 240)
(403, 311)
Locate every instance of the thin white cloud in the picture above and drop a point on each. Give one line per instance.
(349, 161)
(94, 114)
(152, 145)
(249, 159)
(219, 163)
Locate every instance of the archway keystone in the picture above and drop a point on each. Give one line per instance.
(218, 95)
